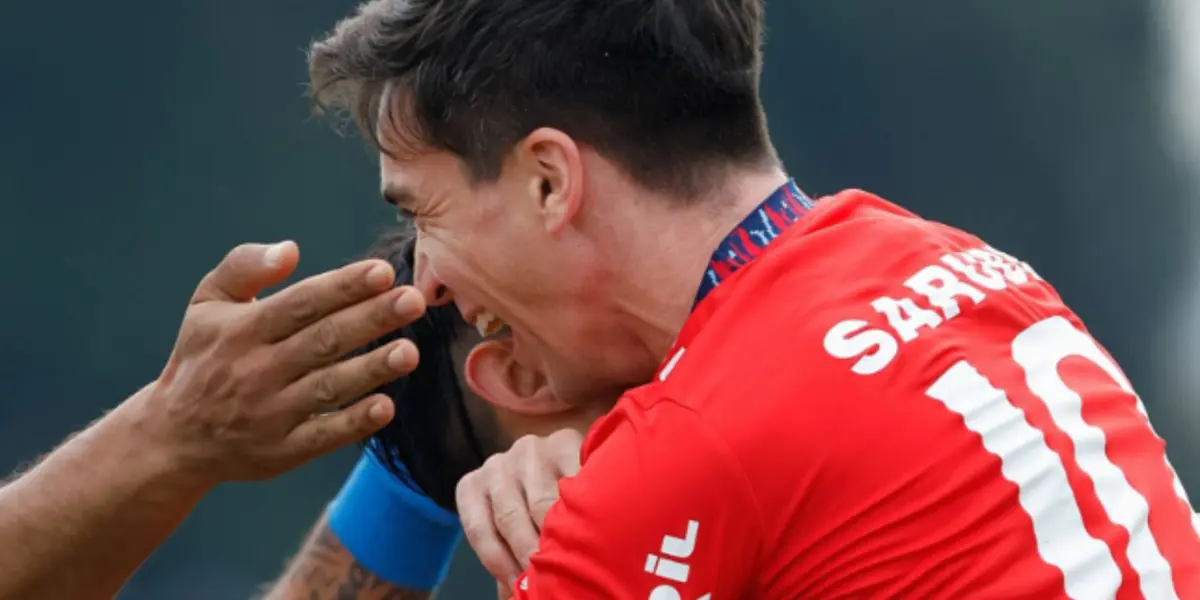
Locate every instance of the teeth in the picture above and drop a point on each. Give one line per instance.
(488, 324)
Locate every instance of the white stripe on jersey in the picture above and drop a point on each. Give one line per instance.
(1039, 350)
(1043, 489)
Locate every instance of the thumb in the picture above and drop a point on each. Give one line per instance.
(247, 270)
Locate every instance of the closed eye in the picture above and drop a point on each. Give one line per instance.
(402, 198)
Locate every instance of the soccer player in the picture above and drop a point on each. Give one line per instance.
(845, 400)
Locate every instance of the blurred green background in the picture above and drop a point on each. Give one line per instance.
(140, 140)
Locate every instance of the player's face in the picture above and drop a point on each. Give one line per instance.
(507, 248)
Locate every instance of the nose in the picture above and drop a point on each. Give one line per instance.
(436, 293)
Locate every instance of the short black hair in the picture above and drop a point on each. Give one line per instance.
(668, 89)
(432, 441)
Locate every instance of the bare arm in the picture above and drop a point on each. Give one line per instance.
(79, 523)
(521, 483)
(325, 570)
(251, 390)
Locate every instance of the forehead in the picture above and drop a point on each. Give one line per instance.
(405, 166)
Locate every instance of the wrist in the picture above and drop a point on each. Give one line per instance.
(396, 532)
(146, 450)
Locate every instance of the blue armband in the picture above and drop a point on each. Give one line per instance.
(401, 535)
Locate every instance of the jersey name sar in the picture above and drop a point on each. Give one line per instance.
(939, 293)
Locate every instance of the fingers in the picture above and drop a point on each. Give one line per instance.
(331, 338)
(513, 520)
(305, 303)
(541, 492)
(247, 270)
(475, 511)
(335, 386)
(565, 445)
(504, 503)
(325, 433)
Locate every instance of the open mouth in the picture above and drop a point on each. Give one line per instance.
(493, 328)
(488, 324)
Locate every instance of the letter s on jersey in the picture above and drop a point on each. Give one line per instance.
(937, 288)
(875, 347)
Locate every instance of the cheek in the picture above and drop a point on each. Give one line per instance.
(503, 259)
(461, 263)
(448, 270)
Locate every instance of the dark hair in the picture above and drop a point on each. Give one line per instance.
(666, 88)
(432, 442)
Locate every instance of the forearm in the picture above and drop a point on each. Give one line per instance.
(325, 570)
(379, 539)
(80, 523)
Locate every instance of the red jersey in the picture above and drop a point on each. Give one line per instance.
(874, 406)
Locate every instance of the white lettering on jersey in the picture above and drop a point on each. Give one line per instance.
(905, 317)
(1039, 349)
(671, 569)
(874, 348)
(1044, 492)
(941, 293)
(942, 290)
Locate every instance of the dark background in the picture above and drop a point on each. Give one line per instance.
(140, 140)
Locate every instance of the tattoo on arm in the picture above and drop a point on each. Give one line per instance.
(325, 570)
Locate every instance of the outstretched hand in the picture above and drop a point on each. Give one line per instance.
(257, 386)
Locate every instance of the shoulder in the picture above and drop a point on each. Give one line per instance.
(652, 472)
(830, 339)
(647, 434)
(653, 449)
(777, 323)
(857, 280)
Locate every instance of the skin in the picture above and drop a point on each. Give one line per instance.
(247, 394)
(325, 570)
(502, 504)
(593, 273)
(252, 389)
(556, 246)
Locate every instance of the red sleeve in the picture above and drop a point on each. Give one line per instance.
(660, 510)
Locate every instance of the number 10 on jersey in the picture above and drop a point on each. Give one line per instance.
(1040, 473)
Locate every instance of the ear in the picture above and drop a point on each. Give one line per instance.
(558, 176)
(495, 376)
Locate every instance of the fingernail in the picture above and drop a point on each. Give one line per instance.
(395, 358)
(407, 303)
(379, 276)
(273, 254)
(378, 412)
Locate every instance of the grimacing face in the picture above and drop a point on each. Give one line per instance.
(512, 248)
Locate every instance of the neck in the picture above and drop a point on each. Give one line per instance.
(661, 260)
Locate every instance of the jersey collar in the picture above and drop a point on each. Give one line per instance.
(748, 240)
